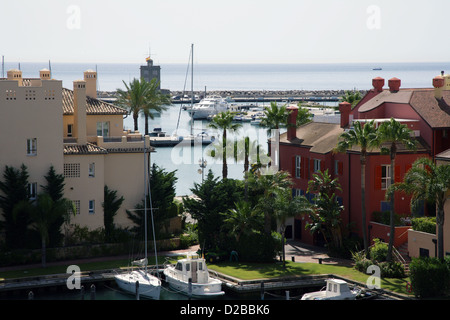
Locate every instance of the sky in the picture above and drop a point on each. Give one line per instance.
(226, 31)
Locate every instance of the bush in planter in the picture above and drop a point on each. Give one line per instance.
(424, 224)
(430, 277)
(379, 251)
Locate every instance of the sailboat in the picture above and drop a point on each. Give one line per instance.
(140, 281)
(210, 104)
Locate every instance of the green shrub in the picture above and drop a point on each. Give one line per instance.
(384, 217)
(259, 247)
(378, 252)
(424, 224)
(392, 269)
(429, 277)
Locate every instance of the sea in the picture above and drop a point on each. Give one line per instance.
(233, 77)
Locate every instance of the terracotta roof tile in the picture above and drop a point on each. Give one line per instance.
(77, 149)
(93, 106)
(319, 136)
(435, 112)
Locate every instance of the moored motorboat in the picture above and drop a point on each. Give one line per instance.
(208, 106)
(191, 276)
(335, 289)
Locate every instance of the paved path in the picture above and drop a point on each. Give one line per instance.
(294, 249)
(306, 253)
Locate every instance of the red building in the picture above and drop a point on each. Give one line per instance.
(310, 148)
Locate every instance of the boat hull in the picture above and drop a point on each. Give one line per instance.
(211, 289)
(149, 285)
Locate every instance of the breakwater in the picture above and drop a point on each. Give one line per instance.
(253, 96)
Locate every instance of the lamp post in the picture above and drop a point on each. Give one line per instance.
(202, 163)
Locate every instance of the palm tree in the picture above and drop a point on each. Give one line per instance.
(275, 117)
(242, 219)
(394, 132)
(426, 181)
(133, 98)
(224, 121)
(352, 97)
(286, 206)
(303, 116)
(365, 137)
(155, 101)
(43, 214)
(326, 217)
(266, 187)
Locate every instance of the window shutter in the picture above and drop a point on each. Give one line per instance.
(397, 177)
(293, 166)
(340, 168)
(378, 178)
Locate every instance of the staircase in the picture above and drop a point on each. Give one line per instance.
(402, 255)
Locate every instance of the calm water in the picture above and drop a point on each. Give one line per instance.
(186, 159)
(247, 76)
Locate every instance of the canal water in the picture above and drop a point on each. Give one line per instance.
(110, 291)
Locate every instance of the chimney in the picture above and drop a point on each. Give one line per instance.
(90, 76)
(15, 74)
(345, 108)
(378, 84)
(292, 120)
(394, 84)
(79, 111)
(44, 74)
(438, 84)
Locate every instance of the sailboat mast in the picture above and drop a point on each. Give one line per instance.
(192, 86)
(145, 203)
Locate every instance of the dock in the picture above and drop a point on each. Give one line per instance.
(231, 285)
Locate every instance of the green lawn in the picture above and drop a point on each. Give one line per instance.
(251, 271)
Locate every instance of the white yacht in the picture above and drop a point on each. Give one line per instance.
(209, 106)
(148, 285)
(193, 268)
(141, 282)
(335, 289)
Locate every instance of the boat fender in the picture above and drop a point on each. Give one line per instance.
(408, 287)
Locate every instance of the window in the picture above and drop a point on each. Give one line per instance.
(32, 190)
(385, 206)
(316, 165)
(91, 206)
(76, 204)
(179, 266)
(71, 170)
(298, 164)
(385, 176)
(92, 169)
(103, 129)
(32, 146)
(188, 267)
(69, 130)
(200, 266)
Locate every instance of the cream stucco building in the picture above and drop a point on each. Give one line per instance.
(44, 124)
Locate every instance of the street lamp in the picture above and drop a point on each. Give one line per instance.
(202, 163)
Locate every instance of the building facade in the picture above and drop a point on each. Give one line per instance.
(43, 125)
(311, 147)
